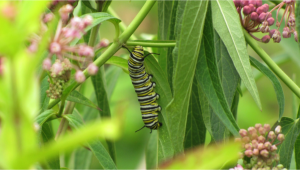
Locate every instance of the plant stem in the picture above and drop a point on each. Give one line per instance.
(152, 43)
(273, 66)
(115, 46)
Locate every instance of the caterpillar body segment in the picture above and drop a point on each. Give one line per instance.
(144, 89)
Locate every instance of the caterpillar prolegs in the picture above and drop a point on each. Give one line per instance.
(144, 87)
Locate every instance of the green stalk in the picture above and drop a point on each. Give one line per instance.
(111, 50)
(273, 66)
(151, 43)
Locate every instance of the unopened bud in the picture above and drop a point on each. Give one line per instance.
(55, 48)
(255, 152)
(271, 32)
(246, 10)
(251, 130)
(79, 76)
(280, 166)
(267, 127)
(64, 11)
(296, 36)
(104, 43)
(237, 139)
(92, 69)
(280, 137)
(77, 23)
(264, 153)
(273, 148)
(57, 68)
(88, 20)
(252, 7)
(286, 32)
(254, 16)
(260, 10)
(271, 135)
(265, 39)
(268, 145)
(270, 21)
(278, 129)
(257, 126)
(243, 132)
(258, 3)
(262, 17)
(48, 17)
(254, 143)
(246, 139)
(248, 153)
(260, 146)
(265, 7)
(47, 64)
(261, 131)
(248, 146)
(85, 50)
(236, 3)
(244, 3)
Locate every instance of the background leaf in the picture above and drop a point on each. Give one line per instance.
(276, 84)
(228, 26)
(188, 48)
(77, 97)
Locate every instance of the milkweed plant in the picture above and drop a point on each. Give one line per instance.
(79, 78)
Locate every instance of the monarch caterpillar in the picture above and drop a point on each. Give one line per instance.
(143, 86)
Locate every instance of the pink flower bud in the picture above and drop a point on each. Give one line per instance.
(255, 152)
(278, 129)
(273, 148)
(64, 11)
(260, 146)
(265, 7)
(92, 69)
(56, 68)
(48, 17)
(253, 2)
(258, 3)
(77, 23)
(268, 145)
(244, 2)
(276, 38)
(271, 32)
(248, 146)
(257, 126)
(270, 21)
(79, 76)
(254, 143)
(246, 10)
(254, 16)
(85, 50)
(88, 20)
(47, 64)
(286, 32)
(276, 157)
(252, 130)
(265, 39)
(252, 7)
(296, 36)
(246, 139)
(280, 137)
(271, 135)
(254, 136)
(9, 11)
(243, 132)
(261, 131)
(71, 32)
(248, 153)
(33, 46)
(260, 10)
(267, 127)
(55, 48)
(262, 17)
(104, 43)
(261, 139)
(264, 153)
(236, 3)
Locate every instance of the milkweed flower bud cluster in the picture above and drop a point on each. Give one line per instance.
(59, 74)
(256, 17)
(260, 146)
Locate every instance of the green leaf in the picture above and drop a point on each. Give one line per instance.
(227, 24)
(99, 84)
(44, 98)
(165, 148)
(188, 49)
(297, 152)
(77, 97)
(291, 130)
(101, 17)
(47, 135)
(112, 75)
(42, 118)
(82, 158)
(118, 61)
(195, 128)
(165, 13)
(88, 4)
(213, 157)
(276, 84)
(152, 151)
(96, 147)
(209, 80)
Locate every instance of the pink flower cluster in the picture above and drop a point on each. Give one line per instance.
(256, 17)
(259, 145)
